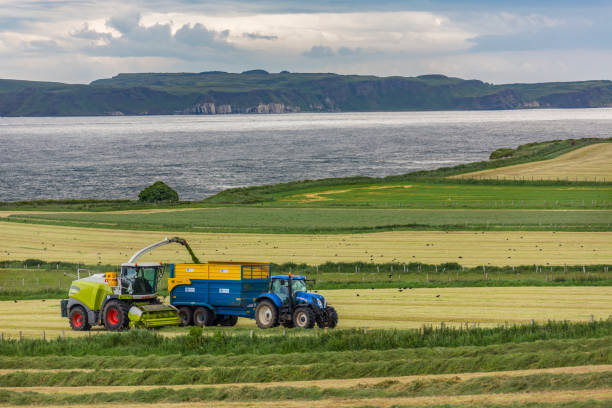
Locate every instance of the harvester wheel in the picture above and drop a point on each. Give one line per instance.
(304, 318)
(186, 315)
(203, 317)
(78, 319)
(266, 315)
(115, 316)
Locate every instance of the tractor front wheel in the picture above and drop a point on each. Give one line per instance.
(266, 315)
(304, 318)
(186, 315)
(78, 319)
(332, 317)
(116, 316)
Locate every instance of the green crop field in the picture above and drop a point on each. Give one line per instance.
(413, 193)
(324, 220)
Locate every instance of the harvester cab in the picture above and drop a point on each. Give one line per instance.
(289, 303)
(121, 300)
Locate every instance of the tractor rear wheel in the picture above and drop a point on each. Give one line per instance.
(266, 315)
(304, 318)
(203, 316)
(78, 319)
(186, 315)
(115, 316)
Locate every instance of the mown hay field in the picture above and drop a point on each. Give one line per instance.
(384, 308)
(543, 365)
(470, 248)
(590, 163)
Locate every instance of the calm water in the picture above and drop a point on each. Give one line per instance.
(115, 157)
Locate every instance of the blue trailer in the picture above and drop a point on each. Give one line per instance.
(217, 293)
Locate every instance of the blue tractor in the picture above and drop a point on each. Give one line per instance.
(289, 303)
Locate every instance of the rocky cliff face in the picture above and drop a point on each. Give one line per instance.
(210, 108)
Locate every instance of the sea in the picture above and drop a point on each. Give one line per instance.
(114, 157)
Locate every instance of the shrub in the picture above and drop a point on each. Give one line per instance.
(158, 191)
(501, 153)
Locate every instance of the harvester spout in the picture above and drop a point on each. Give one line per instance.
(166, 241)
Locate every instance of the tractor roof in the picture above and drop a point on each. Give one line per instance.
(144, 264)
(293, 277)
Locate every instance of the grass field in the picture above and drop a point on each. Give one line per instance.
(592, 162)
(450, 195)
(91, 245)
(326, 220)
(545, 365)
(384, 308)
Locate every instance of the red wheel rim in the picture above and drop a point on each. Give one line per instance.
(112, 316)
(77, 319)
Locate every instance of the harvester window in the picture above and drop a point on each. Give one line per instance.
(138, 280)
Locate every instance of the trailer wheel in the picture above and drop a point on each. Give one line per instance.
(304, 318)
(78, 319)
(186, 315)
(203, 316)
(266, 315)
(115, 316)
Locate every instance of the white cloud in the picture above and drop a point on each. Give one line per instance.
(81, 41)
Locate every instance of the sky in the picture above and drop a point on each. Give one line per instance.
(78, 41)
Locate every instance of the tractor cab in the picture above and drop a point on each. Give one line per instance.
(140, 279)
(285, 285)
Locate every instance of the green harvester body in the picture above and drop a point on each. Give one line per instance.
(124, 299)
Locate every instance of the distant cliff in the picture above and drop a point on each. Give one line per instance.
(258, 92)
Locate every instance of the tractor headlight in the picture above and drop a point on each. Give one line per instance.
(319, 303)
